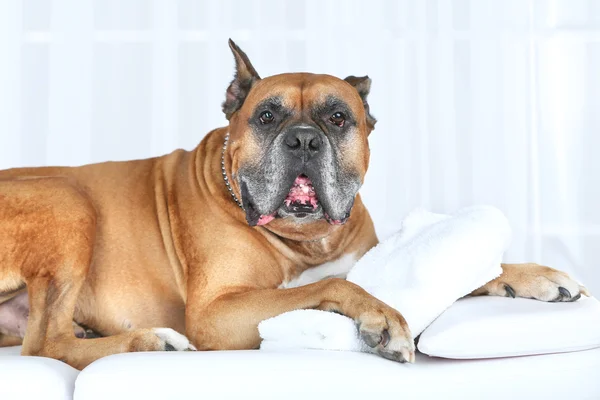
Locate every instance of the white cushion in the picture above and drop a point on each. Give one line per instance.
(484, 327)
(34, 377)
(318, 374)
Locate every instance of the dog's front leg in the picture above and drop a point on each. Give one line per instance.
(230, 320)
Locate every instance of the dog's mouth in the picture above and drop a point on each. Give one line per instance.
(302, 197)
(300, 202)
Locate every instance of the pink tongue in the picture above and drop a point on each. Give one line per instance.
(265, 219)
(302, 192)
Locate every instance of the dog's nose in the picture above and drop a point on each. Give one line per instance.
(303, 142)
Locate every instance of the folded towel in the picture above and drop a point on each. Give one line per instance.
(421, 270)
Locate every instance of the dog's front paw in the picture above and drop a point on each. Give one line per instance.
(381, 327)
(385, 330)
(534, 281)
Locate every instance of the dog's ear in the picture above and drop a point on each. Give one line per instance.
(245, 77)
(363, 87)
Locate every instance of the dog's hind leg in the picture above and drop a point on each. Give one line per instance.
(47, 229)
(50, 331)
(14, 313)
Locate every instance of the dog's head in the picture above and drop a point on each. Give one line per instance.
(298, 144)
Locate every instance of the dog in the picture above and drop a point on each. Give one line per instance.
(193, 249)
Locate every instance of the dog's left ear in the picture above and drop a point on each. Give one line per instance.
(245, 77)
(363, 87)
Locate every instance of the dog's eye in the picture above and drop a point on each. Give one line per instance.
(338, 119)
(266, 117)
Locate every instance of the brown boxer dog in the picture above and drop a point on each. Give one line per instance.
(208, 243)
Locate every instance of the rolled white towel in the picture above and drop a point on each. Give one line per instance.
(431, 262)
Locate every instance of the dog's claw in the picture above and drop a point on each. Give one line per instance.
(510, 291)
(385, 338)
(408, 355)
(403, 355)
(374, 339)
(371, 339)
(169, 347)
(564, 292)
(392, 355)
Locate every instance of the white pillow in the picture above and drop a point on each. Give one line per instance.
(489, 327)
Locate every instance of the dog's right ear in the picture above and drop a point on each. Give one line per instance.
(245, 77)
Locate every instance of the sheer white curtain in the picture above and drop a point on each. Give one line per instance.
(480, 101)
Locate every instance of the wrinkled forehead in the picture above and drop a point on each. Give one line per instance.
(303, 91)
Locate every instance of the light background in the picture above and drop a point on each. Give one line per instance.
(479, 102)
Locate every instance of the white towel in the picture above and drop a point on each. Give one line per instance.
(431, 262)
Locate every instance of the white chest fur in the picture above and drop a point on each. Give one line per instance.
(332, 269)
